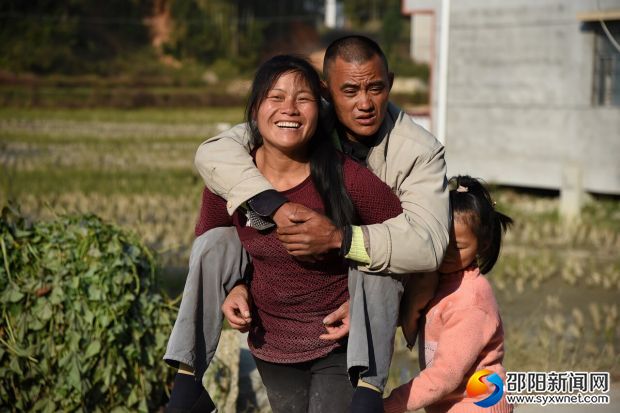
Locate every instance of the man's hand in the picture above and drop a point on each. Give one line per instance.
(236, 308)
(308, 233)
(337, 323)
(283, 217)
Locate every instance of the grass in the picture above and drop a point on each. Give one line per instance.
(62, 180)
(48, 152)
(148, 115)
(133, 167)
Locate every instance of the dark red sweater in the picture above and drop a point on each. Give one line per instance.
(291, 298)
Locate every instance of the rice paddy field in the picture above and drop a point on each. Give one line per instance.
(558, 284)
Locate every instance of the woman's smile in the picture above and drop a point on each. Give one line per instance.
(287, 118)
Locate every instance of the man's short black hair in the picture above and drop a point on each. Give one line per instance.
(354, 48)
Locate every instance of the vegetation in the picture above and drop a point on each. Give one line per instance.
(87, 36)
(173, 53)
(82, 317)
(173, 41)
(69, 37)
(130, 167)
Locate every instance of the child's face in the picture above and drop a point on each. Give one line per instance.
(462, 249)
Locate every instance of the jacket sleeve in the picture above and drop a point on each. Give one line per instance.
(416, 240)
(465, 334)
(226, 166)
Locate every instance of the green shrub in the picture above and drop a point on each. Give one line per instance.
(83, 326)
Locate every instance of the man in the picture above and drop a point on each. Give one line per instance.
(399, 152)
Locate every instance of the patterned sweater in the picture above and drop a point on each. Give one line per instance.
(291, 298)
(462, 334)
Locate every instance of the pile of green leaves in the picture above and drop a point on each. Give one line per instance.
(83, 326)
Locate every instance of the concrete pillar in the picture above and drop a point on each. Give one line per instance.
(421, 45)
(330, 14)
(572, 195)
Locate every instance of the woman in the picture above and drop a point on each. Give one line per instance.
(291, 298)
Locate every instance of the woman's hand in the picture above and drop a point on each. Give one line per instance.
(236, 308)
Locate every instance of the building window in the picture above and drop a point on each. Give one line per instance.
(607, 65)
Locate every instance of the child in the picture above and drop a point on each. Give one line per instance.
(462, 331)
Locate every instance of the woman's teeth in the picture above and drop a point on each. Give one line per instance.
(288, 125)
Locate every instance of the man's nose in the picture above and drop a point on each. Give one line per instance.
(365, 102)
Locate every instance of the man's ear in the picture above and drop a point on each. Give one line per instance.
(325, 91)
(391, 79)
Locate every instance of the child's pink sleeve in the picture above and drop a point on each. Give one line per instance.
(465, 333)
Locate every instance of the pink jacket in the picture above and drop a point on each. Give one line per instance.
(462, 334)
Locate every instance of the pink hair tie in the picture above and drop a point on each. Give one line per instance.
(462, 188)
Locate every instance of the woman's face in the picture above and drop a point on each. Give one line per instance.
(288, 116)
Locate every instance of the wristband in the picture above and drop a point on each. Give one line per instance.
(357, 249)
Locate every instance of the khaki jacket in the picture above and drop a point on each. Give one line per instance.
(406, 157)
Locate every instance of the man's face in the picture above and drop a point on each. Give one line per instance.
(359, 93)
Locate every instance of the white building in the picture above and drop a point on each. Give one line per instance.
(529, 93)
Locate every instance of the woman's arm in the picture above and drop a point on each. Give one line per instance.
(212, 213)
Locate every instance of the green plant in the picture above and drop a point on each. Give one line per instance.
(405, 67)
(83, 325)
(391, 26)
(79, 36)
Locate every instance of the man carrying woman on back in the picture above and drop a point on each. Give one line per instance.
(373, 132)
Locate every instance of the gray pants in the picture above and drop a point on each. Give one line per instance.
(374, 307)
(218, 261)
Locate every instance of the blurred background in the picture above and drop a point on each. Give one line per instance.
(103, 104)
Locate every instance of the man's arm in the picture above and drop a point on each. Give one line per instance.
(228, 170)
(416, 240)
(226, 166)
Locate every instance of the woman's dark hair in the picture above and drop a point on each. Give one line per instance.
(472, 203)
(325, 161)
